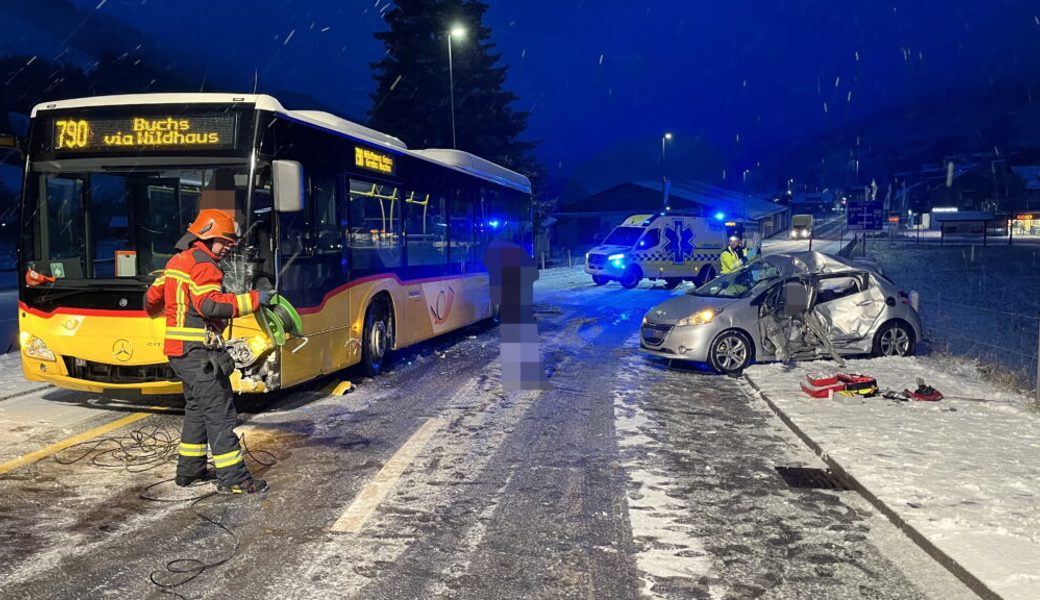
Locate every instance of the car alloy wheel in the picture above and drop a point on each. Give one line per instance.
(894, 340)
(730, 353)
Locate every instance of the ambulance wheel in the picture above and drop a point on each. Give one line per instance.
(600, 279)
(730, 352)
(378, 337)
(631, 278)
(707, 274)
(670, 283)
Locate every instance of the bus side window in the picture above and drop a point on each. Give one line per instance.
(374, 227)
(461, 234)
(311, 246)
(426, 232)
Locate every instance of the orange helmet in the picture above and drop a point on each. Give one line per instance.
(212, 223)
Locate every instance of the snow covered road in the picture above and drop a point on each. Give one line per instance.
(624, 480)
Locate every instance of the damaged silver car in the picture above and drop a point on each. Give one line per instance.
(784, 307)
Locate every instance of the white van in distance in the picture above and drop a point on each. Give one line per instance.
(665, 246)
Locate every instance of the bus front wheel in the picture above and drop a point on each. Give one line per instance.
(377, 338)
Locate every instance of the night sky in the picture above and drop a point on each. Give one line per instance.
(604, 79)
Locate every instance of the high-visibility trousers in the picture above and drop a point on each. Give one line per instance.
(209, 418)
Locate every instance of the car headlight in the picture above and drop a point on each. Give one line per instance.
(617, 260)
(35, 348)
(701, 317)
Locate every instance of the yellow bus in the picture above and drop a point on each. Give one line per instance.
(377, 245)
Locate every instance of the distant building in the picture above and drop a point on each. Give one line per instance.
(1030, 177)
(586, 221)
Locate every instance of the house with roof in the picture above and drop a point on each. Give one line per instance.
(586, 221)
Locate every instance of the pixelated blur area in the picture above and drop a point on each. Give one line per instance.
(513, 273)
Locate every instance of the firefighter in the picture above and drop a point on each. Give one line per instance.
(733, 257)
(190, 295)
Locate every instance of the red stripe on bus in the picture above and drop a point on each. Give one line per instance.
(81, 312)
(309, 310)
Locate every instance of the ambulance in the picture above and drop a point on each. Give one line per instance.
(669, 247)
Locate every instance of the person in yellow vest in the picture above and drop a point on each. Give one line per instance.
(732, 258)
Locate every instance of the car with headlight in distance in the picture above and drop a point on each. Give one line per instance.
(801, 227)
(726, 322)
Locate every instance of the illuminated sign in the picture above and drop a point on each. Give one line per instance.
(1024, 217)
(89, 134)
(374, 161)
(893, 219)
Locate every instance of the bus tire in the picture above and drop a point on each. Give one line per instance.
(600, 279)
(378, 337)
(631, 278)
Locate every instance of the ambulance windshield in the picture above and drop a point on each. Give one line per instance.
(623, 236)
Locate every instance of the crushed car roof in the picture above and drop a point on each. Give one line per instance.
(796, 263)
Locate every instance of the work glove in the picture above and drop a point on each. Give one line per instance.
(222, 363)
(265, 297)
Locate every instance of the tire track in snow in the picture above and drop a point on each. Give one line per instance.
(667, 548)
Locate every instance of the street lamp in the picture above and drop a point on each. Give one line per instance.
(456, 32)
(664, 168)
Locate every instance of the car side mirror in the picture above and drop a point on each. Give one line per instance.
(288, 185)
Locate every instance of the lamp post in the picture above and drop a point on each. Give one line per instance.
(459, 32)
(664, 169)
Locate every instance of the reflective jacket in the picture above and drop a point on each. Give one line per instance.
(190, 295)
(730, 260)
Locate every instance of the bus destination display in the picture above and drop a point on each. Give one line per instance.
(199, 132)
(373, 161)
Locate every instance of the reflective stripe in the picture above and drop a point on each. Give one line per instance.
(196, 289)
(193, 449)
(182, 306)
(223, 461)
(245, 304)
(186, 334)
(160, 281)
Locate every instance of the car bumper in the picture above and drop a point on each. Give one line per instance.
(678, 343)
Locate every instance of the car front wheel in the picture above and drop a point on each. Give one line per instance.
(895, 338)
(730, 352)
(600, 279)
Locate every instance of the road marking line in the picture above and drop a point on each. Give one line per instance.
(359, 511)
(28, 459)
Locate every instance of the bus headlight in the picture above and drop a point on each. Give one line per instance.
(35, 348)
(701, 317)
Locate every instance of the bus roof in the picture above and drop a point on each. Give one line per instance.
(455, 159)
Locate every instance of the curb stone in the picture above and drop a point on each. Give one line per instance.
(948, 562)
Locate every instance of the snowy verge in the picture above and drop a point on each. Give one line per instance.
(12, 381)
(960, 473)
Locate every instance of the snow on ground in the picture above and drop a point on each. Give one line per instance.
(962, 471)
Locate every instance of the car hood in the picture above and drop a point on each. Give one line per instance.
(683, 306)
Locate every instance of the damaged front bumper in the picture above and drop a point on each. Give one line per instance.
(689, 342)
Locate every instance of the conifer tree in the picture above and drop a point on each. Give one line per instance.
(412, 102)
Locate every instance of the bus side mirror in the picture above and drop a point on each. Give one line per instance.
(288, 185)
(11, 143)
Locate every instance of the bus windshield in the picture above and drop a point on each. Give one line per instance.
(623, 236)
(109, 224)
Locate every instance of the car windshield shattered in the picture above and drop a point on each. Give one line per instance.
(740, 283)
